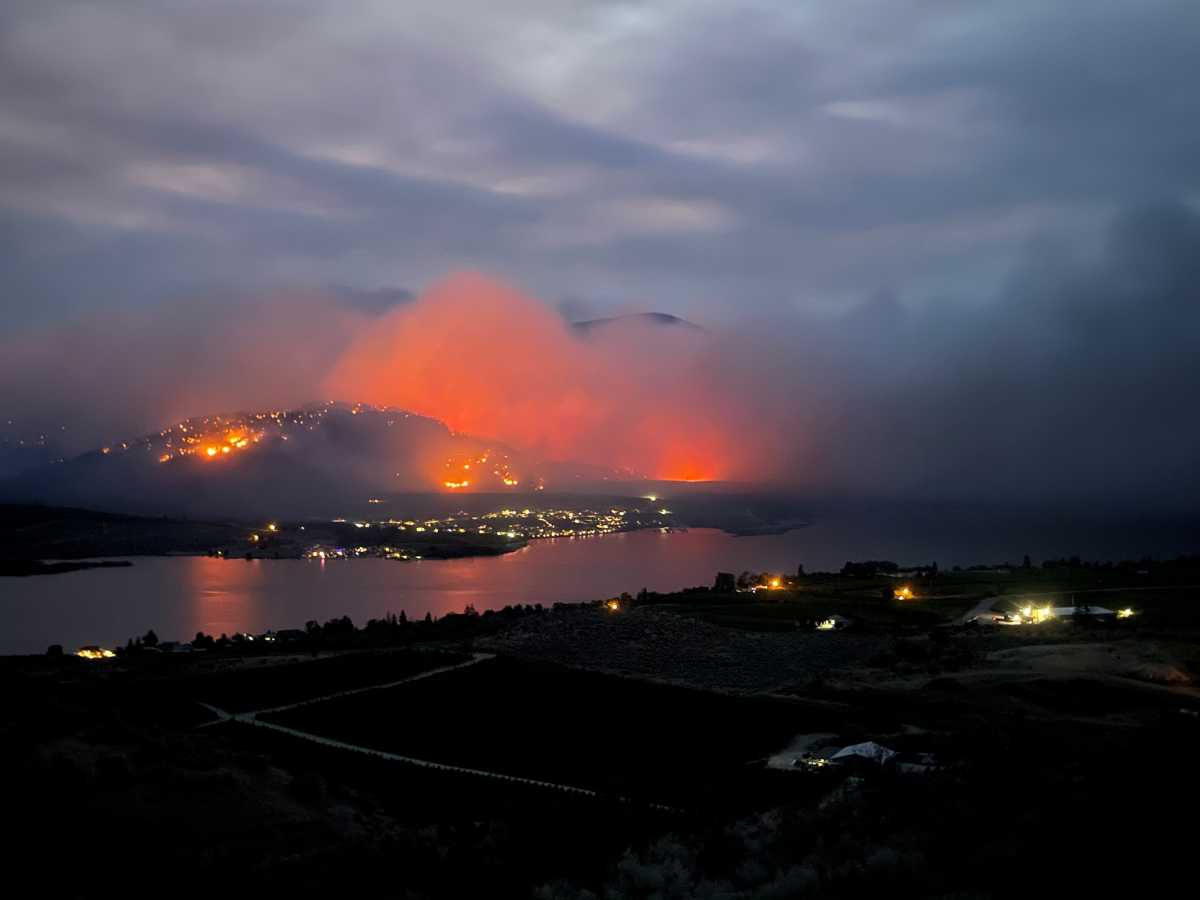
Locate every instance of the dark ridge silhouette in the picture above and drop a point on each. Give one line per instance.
(653, 318)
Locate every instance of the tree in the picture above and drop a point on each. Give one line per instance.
(151, 639)
(725, 583)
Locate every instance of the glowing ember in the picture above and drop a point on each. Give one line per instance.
(94, 653)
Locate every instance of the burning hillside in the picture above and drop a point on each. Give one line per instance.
(311, 459)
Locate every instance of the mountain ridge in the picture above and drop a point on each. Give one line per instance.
(314, 459)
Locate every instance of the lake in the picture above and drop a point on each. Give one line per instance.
(178, 596)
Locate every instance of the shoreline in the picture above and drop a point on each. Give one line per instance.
(29, 568)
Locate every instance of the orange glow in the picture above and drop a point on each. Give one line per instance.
(216, 445)
(94, 653)
(455, 485)
(490, 361)
(903, 593)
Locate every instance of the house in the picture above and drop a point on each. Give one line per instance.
(833, 623)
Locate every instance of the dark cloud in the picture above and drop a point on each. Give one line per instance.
(1075, 382)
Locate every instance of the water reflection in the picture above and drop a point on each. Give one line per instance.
(179, 596)
(223, 593)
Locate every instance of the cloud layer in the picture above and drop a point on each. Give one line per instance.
(698, 157)
(941, 249)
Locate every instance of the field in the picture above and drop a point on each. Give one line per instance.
(584, 729)
(262, 682)
(1164, 595)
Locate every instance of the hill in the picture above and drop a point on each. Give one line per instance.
(312, 461)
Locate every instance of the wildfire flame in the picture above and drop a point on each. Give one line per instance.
(488, 360)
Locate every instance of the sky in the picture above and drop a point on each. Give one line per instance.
(941, 249)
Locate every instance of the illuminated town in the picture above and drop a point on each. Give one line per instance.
(506, 529)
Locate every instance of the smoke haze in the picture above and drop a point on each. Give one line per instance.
(487, 360)
(1075, 380)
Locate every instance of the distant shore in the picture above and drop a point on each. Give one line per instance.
(24, 568)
